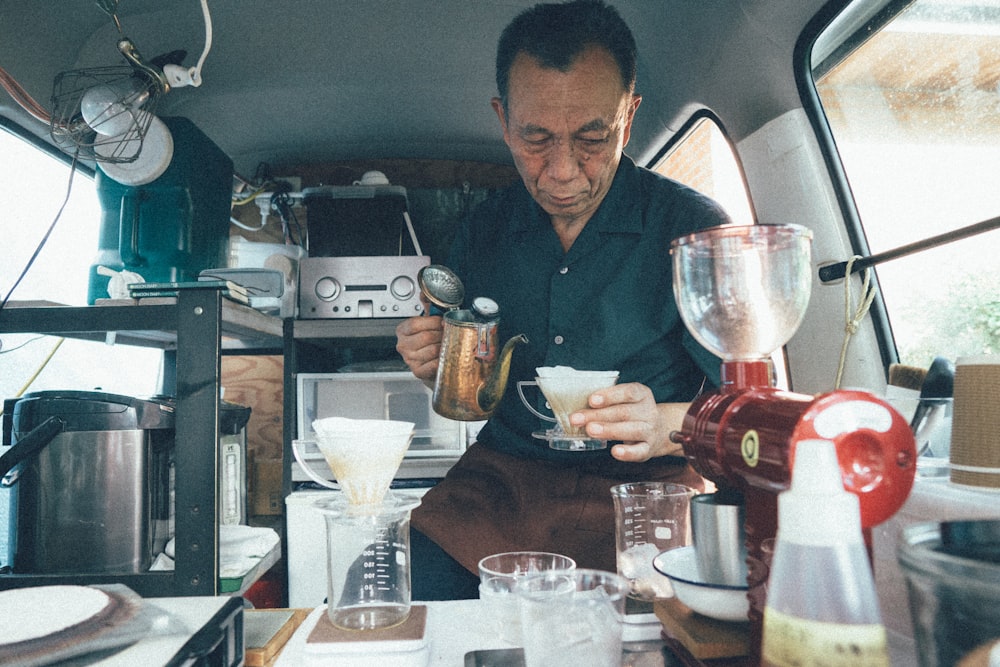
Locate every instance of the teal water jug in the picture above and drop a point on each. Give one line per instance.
(172, 228)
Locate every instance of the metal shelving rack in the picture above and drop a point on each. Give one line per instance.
(194, 330)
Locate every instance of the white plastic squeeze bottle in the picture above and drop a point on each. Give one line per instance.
(821, 606)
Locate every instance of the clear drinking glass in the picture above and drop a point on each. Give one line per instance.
(498, 576)
(572, 618)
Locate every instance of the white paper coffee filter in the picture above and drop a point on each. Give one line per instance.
(363, 454)
(565, 379)
(569, 371)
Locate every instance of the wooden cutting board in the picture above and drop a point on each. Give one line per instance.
(408, 635)
(266, 631)
(705, 638)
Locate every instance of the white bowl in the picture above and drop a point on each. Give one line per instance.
(720, 601)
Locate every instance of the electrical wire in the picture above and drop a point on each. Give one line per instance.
(259, 190)
(18, 347)
(239, 199)
(179, 77)
(41, 367)
(282, 203)
(207, 17)
(248, 228)
(110, 8)
(250, 198)
(48, 232)
(281, 200)
(266, 186)
(22, 97)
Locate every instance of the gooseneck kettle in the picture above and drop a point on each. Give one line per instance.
(472, 366)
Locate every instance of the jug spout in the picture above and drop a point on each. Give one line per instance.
(491, 391)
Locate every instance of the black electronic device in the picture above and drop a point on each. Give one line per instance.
(363, 253)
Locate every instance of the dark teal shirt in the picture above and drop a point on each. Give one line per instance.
(607, 304)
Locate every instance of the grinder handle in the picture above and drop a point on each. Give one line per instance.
(27, 447)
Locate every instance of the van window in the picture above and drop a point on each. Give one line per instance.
(912, 96)
(704, 160)
(35, 187)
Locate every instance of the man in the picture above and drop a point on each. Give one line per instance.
(577, 257)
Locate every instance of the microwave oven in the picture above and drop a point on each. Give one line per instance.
(437, 442)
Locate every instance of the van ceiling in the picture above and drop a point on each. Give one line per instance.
(308, 81)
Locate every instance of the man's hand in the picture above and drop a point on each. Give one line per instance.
(628, 412)
(418, 341)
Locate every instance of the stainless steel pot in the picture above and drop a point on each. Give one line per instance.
(92, 477)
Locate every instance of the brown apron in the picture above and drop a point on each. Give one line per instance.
(491, 502)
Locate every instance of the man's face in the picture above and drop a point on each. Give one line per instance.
(566, 131)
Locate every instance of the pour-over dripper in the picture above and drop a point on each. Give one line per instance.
(364, 454)
(742, 290)
(566, 391)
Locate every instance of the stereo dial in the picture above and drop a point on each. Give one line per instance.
(403, 287)
(327, 288)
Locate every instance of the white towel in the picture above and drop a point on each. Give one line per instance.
(240, 547)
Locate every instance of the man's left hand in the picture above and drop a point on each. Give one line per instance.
(629, 413)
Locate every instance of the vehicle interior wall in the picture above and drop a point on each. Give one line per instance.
(784, 168)
(323, 81)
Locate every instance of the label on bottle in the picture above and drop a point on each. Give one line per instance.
(789, 641)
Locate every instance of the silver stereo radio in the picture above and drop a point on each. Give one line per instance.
(359, 287)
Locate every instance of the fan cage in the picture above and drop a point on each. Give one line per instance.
(136, 107)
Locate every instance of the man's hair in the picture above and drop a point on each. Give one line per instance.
(555, 34)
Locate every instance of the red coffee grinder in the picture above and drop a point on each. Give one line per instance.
(742, 292)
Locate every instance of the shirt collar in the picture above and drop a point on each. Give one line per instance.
(616, 214)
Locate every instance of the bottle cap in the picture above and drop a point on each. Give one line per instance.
(817, 510)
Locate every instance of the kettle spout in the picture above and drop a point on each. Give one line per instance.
(490, 392)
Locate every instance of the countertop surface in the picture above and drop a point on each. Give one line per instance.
(457, 633)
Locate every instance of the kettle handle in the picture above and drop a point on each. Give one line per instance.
(128, 231)
(27, 447)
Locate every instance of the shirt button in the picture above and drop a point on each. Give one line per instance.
(563, 270)
(558, 340)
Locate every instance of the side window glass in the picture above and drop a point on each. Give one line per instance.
(703, 159)
(912, 98)
(35, 187)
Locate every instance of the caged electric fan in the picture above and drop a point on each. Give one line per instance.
(108, 114)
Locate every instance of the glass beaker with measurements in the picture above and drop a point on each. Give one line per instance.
(368, 561)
